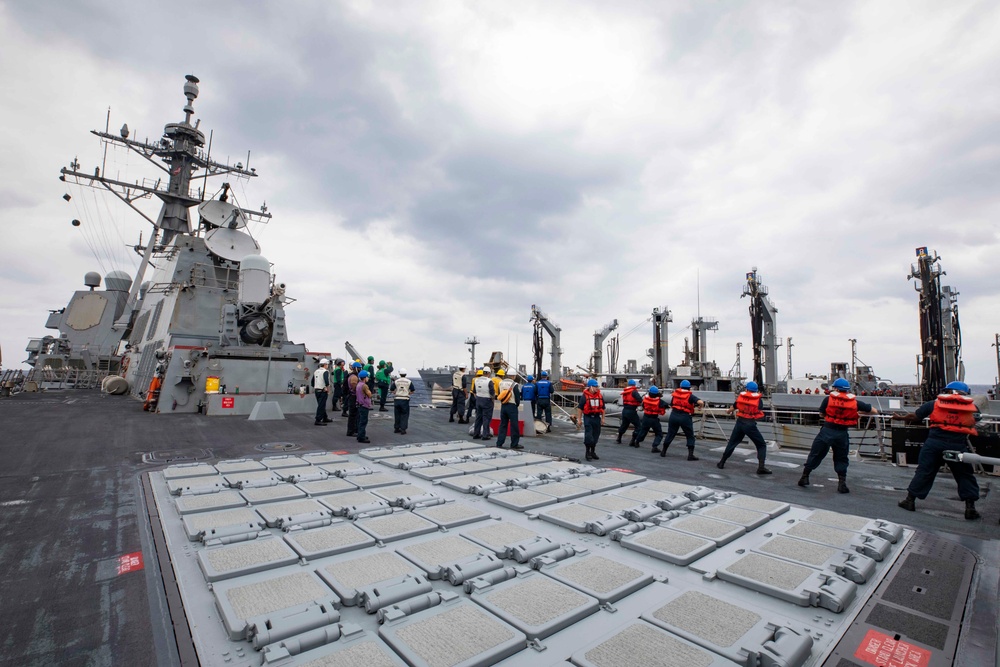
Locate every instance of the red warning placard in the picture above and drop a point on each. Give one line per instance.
(130, 562)
(229, 402)
(882, 650)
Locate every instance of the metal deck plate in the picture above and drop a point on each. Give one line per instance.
(237, 479)
(235, 560)
(770, 507)
(500, 536)
(238, 465)
(404, 462)
(339, 503)
(743, 517)
(853, 566)
(521, 500)
(459, 634)
(395, 493)
(344, 466)
(641, 494)
(610, 503)
(737, 632)
(364, 651)
(318, 458)
(274, 513)
(337, 538)
(436, 472)
(348, 577)
(625, 478)
(560, 491)
(327, 486)
(721, 532)
(196, 484)
(292, 474)
(574, 516)
(643, 644)
(375, 480)
(803, 586)
(272, 494)
(452, 514)
(434, 554)
(670, 545)
(283, 461)
(594, 484)
(398, 526)
(465, 483)
(869, 545)
(667, 488)
(535, 604)
(184, 470)
(209, 501)
(602, 578)
(883, 529)
(194, 524)
(474, 466)
(240, 600)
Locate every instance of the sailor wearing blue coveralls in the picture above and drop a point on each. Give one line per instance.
(543, 389)
(749, 407)
(630, 401)
(590, 410)
(653, 406)
(952, 417)
(840, 410)
(510, 399)
(529, 393)
(402, 388)
(485, 393)
(682, 405)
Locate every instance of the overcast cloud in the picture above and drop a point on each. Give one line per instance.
(435, 168)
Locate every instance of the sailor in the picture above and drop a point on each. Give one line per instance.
(682, 406)
(363, 393)
(459, 390)
(510, 400)
(353, 379)
(402, 388)
(382, 381)
(543, 389)
(339, 376)
(630, 412)
(840, 410)
(653, 405)
(952, 417)
(321, 387)
(749, 408)
(470, 402)
(590, 410)
(529, 392)
(485, 393)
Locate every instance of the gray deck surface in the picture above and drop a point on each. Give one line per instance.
(71, 505)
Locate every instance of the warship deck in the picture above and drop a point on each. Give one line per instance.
(99, 566)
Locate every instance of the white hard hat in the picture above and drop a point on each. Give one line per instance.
(402, 371)
(324, 362)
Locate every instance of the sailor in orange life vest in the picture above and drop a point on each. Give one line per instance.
(653, 406)
(749, 407)
(591, 408)
(509, 395)
(952, 417)
(630, 415)
(840, 410)
(682, 405)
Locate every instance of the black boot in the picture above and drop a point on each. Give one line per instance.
(761, 470)
(691, 456)
(721, 464)
(593, 453)
(970, 510)
(656, 450)
(633, 443)
(804, 480)
(842, 484)
(589, 456)
(663, 451)
(618, 440)
(908, 503)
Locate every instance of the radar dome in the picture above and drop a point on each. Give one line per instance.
(92, 279)
(118, 281)
(255, 279)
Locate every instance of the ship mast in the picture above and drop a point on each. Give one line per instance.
(940, 333)
(179, 154)
(763, 321)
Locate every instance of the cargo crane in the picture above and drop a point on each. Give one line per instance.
(596, 360)
(661, 368)
(763, 322)
(543, 324)
(940, 333)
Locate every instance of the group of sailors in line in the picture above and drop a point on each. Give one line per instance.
(356, 388)
(952, 417)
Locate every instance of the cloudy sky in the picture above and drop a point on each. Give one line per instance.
(435, 168)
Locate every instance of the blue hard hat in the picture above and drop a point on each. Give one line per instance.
(363, 374)
(632, 383)
(685, 384)
(653, 389)
(531, 378)
(591, 382)
(545, 374)
(958, 386)
(841, 383)
(356, 364)
(752, 386)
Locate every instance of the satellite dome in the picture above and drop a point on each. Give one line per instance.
(118, 281)
(92, 279)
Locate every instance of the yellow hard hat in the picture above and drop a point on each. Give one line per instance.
(501, 372)
(479, 372)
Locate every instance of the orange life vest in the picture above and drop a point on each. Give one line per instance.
(954, 413)
(748, 405)
(681, 402)
(630, 397)
(152, 394)
(593, 403)
(652, 407)
(842, 409)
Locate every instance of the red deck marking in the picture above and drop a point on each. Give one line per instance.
(130, 562)
(883, 651)
(229, 402)
(341, 452)
(621, 469)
